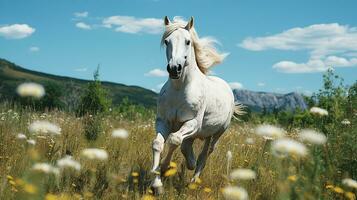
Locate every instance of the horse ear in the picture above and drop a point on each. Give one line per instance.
(189, 24)
(167, 21)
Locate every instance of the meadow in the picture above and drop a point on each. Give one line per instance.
(320, 165)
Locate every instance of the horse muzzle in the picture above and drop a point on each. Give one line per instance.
(175, 71)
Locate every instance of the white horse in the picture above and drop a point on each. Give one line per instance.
(191, 104)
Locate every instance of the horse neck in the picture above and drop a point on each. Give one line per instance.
(192, 72)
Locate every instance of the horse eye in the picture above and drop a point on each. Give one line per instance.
(188, 42)
(166, 42)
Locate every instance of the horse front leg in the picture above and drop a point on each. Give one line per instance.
(157, 148)
(175, 139)
(188, 129)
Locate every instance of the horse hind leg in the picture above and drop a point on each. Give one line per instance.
(187, 151)
(207, 149)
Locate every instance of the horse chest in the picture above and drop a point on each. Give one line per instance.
(178, 108)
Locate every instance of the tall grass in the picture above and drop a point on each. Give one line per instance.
(126, 172)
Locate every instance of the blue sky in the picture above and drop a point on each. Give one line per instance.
(278, 46)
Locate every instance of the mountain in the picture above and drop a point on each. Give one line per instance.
(11, 75)
(257, 101)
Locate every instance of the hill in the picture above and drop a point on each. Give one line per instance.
(11, 75)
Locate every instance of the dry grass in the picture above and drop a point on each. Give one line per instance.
(113, 179)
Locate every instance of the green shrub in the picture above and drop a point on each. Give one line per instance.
(95, 98)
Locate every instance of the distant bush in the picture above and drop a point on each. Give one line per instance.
(95, 99)
(94, 102)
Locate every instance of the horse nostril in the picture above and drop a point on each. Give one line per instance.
(185, 57)
(179, 67)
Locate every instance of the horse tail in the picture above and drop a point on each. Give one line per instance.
(238, 110)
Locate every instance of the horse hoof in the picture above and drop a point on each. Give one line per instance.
(157, 190)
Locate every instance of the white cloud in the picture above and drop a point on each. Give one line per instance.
(81, 14)
(327, 44)
(261, 84)
(16, 31)
(129, 24)
(83, 25)
(156, 73)
(84, 69)
(34, 49)
(236, 85)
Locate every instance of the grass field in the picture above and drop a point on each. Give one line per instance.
(125, 173)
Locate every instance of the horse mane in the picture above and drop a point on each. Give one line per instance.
(205, 52)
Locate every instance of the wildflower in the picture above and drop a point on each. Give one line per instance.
(329, 186)
(345, 122)
(173, 165)
(350, 183)
(31, 141)
(135, 174)
(192, 186)
(148, 197)
(44, 127)
(31, 90)
(207, 189)
(269, 132)
(234, 193)
(338, 190)
(292, 178)
(285, 146)
(31, 189)
(242, 174)
(318, 111)
(68, 162)
(95, 154)
(45, 168)
(312, 137)
(170, 172)
(21, 136)
(120, 133)
(198, 180)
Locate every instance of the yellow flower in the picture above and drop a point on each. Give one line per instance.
(192, 186)
(31, 189)
(292, 178)
(207, 189)
(147, 197)
(350, 196)
(9, 177)
(50, 196)
(173, 165)
(135, 174)
(135, 180)
(170, 172)
(198, 180)
(329, 186)
(338, 190)
(12, 182)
